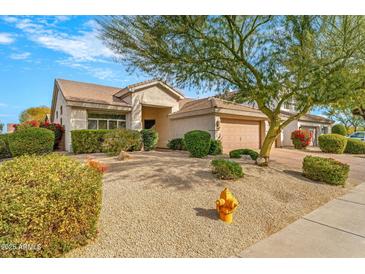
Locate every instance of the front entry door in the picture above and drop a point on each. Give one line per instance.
(149, 124)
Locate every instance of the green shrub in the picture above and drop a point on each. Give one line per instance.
(226, 169)
(215, 147)
(31, 141)
(176, 144)
(332, 143)
(149, 138)
(339, 129)
(237, 153)
(4, 146)
(325, 170)
(51, 202)
(355, 146)
(197, 142)
(122, 139)
(88, 140)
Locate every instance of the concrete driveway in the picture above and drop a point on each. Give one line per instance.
(334, 230)
(289, 158)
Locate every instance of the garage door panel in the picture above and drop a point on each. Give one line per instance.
(240, 134)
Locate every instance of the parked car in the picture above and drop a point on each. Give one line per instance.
(360, 135)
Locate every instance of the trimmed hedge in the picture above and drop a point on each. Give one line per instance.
(117, 140)
(49, 202)
(355, 146)
(88, 140)
(176, 144)
(197, 142)
(149, 138)
(226, 169)
(4, 146)
(31, 141)
(215, 147)
(339, 129)
(237, 153)
(332, 143)
(325, 170)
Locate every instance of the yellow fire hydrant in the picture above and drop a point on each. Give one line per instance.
(226, 205)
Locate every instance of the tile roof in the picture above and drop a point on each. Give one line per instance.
(310, 117)
(87, 92)
(213, 102)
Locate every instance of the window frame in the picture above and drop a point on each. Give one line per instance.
(118, 121)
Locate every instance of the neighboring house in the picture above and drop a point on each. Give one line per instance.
(10, 128)
(153, 103)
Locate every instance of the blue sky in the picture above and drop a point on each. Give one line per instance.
(34, 50)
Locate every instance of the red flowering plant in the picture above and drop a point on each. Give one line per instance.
(94, 164)
(57, 129)
(301, 138)
(26, 124)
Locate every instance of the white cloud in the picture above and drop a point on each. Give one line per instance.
(97, 72)
(6, 38)
(3, 105)
(5, 115)
(84, 46)
(20, 56)
(83, 49)
(10, 19)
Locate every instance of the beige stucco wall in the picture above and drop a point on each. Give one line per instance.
(178, 127)
(150, 96)
(66, 112)
(286, 135)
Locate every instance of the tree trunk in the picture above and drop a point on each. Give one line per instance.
(270, 138)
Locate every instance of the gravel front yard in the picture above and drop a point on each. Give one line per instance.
(162, 204)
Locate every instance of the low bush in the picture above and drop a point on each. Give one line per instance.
(339, 129)
(332, 143)
(325, 170)
(226, 169)
(215, 147)
(301, 138)
(58, 132)
(4, 146)
(197, 142)
(50, 203)
(237, 153)
(355, 146)
(31, 141)
(88, 140)
(176, 144)
(122, 139)
(149, 138)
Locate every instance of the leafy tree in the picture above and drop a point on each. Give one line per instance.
(269, 60)
(1, 127)
(34, 113)
(346, 117)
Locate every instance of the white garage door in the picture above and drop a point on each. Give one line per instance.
(240, 134)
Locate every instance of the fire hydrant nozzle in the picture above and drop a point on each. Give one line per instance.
(226, 204)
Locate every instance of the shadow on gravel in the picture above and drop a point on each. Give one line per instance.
(207, 213)
(299, 175)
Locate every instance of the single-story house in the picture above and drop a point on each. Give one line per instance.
(153, 103)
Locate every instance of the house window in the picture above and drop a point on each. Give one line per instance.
(56, 114)
(61, 122)
(105, 121)
(61, 110)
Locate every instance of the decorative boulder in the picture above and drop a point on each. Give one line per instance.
(123, 156)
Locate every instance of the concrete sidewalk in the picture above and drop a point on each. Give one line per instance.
(334, 230)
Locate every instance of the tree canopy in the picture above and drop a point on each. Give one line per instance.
(270, 60)
(34, 113)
